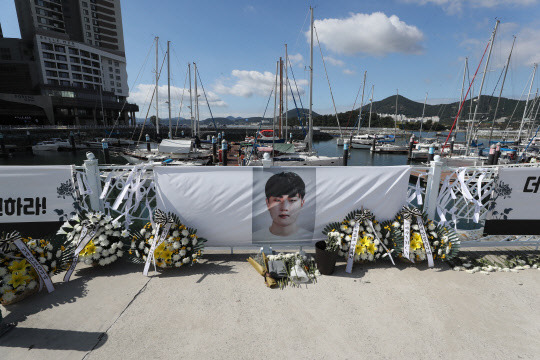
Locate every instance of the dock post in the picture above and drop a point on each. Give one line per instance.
(452, 141)
(432, 187)
(491, 156)
(106, 153)
(290, 136)
(214, 149)
(497, 154)
(29, 141)
(411, 146)
(345, 152)
(72, 141)
(224, 152)
(219, 138)
(148, 142)
(3, 144)
(374, 144)
(431, 153)
(93, 179)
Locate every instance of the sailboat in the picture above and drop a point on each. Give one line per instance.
(388, 148)
(309, 157)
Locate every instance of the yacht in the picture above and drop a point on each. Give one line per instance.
(51, 145)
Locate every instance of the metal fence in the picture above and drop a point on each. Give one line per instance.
(457, 197)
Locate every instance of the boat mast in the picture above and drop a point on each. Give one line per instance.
(310, 145)
(527, 103)
(157, 88)
(190, 100)
(500, 93)
(423, 112)
(275, 108)
(286, 94)
(280, 98)
(169, 87)
(370, 106)
(361, 104)
(462, 89)
(481, 86)
(196, 120)
(395, 118)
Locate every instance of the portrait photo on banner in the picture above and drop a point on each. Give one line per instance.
(284, 205)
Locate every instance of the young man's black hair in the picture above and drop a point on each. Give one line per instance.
(285, 183)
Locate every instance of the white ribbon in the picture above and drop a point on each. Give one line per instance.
(425, 240)
(84, 239)
(352, 248)
(407, 238)
(158, 239)
(107, 185)
(42, 274)
(381, 242)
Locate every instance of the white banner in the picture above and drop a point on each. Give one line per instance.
(36, 194)
(515, 203)
(242, 206)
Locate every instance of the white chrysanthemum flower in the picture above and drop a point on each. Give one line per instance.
(194, 256)
(439, 252)
(116, 233)
(435, 243)
(107, 218)
(176, 245)
(39, 250)
(185, 241)
(105, 253)
(348, 238)
(108, 227)
(116, 224)
(447, 250)
(186, 260)
(146, 250)
(5, 288)
(434, 234)
(119, 253)
(102, 237)
(49, 256)
(105, 242)
(177, 264)
(370, 257)
(352, 222)
(124, 233)
(194, 241)
(395, 224)
(143, 231)
(113, 246)
(377, 227)
(3, 271)
(185, 232)
(113, 258)
(182, 252)
(9, 296)
(141, 245)
(32, 284)
(415, 227)
(88, 261)
(378, 255)
(431, 227)
(176, 233)
(376, 242)
(119, 245)
(147, 235)
(42, 260)
(108, 232)
(363, 256)
(102, 262)
(96, 256)
(98, 249)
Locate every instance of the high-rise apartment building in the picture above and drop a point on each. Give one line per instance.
(76, 59)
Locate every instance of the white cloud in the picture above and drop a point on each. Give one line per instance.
(456, 6)
(373, 34)
(349, 72)
(296, 59)
(142, 94)
(335, 62)
(246, 83)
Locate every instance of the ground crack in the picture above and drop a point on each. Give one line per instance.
(100, 337)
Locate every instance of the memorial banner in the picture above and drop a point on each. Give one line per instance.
(35, 194)
(515, 203)
(242, 206)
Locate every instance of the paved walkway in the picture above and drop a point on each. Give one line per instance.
(221, 310)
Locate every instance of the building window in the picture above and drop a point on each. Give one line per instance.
(62, 66)
(119, 91)
(112, 83)
(52, 81)
(46, 46)
(59, 48)
(96, 36)
(118, 84)
(73, 51)
(117, 71)
(61, 57)
(110, 69)
(65, 83)
(111, 76)
(77, 84)
(116, 63)
(50, 64)
(86, 19)
(89, 41)
(39, 2)
(51, 73)
(85, 4)
(87, 78)
(42, 20)
(96, 79)
(95, 22)
(85, 12)
(94, 15)
(87, 27)
(96, 72)
(77, 76)
(85, 53)
(117, 77)
(110, 63)
(48, 55)
(113, 90)
(74, 59)
(64, 75)
(75, 68)
(88, 34)
(95, 56)
(96, 29)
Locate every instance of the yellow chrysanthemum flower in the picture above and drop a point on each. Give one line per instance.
(17, 266)
(89, 249)
(360, 249)
(371, 248)
(18, 278)
(365, 241)
(416, 241)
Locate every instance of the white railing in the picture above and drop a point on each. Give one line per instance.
(457, 197)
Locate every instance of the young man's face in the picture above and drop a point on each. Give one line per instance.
(285, 209)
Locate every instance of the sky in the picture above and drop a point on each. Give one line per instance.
(411, 46)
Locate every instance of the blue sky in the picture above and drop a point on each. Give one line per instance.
(416, 46)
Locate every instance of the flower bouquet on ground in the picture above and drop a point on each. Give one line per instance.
(18, 277)
(425, 238)
(99, 239)
(373, 237)
(281, 269)
(175, 244)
